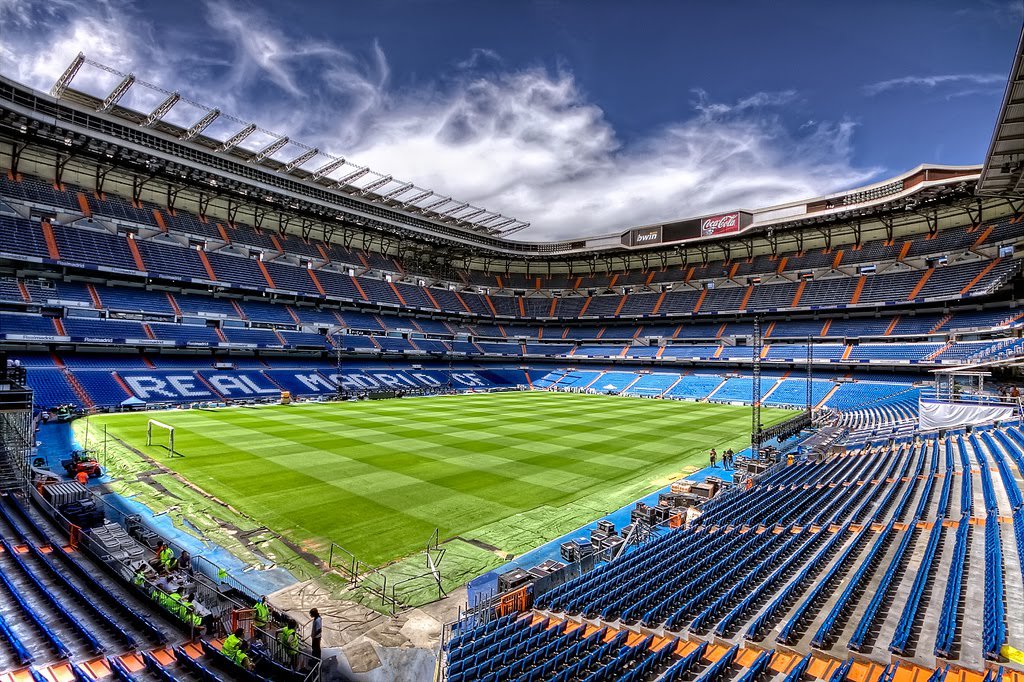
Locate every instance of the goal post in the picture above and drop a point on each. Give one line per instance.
(160, 425)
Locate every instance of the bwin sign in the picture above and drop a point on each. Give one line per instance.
(649, 235)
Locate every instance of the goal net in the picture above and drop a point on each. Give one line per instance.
(161, 428)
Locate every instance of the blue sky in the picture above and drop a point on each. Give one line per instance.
(581, 117)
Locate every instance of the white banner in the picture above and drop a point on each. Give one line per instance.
(933, 415)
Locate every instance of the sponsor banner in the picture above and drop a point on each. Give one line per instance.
(645, 236)
(932, 415)
(23, 258)
(35, 337)
(727, 223)
(120, 271)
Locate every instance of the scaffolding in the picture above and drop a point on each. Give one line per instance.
(755, 397)
(16, 432)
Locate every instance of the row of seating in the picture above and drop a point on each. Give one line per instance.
(99, 330)
(108, 380)
(58, 608)
(239, 267)
(68, 201)
(795, 554)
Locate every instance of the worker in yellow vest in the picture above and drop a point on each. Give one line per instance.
(261, 615)
(167, 558)
(231, 645)
(289, 640)
(242, 657)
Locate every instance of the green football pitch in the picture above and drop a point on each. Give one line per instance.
(505, 471)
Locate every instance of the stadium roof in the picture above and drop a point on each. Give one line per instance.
(96, 135)
(281, 154)
(1003, 172)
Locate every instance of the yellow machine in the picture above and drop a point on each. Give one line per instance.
(286, 397)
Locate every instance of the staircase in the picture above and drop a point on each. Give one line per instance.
(709, 395)
(772, 389)
(82, 394)
(942, 323)
(939, 351)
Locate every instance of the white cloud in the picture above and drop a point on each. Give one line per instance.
(931, 82)
(525, 142)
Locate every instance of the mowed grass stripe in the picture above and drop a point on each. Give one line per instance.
(378, 476)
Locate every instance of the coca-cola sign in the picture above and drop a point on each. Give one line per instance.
(720, 224)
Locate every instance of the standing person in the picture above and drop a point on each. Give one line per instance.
(155, 563)
(185, 561)
(714, 458)
(167, 559)
(317, 632)
(261, 615)
(289, 640)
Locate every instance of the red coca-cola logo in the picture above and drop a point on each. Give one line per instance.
(730, 222)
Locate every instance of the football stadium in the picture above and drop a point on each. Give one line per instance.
(269, 414)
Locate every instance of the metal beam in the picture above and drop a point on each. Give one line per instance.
(300, 159)
(376, 184)
(519, 225)
(237, 138)
(419, 197)
(470, 216)
(458, 208)
(328, 167)
(431, 207)
(269, 150)
(504, 223)
(201, 125)
(161, 110)
(401, 190)
(117, 93)
(351, 177)
(69, 74)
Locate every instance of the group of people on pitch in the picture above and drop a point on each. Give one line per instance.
(728, 458)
